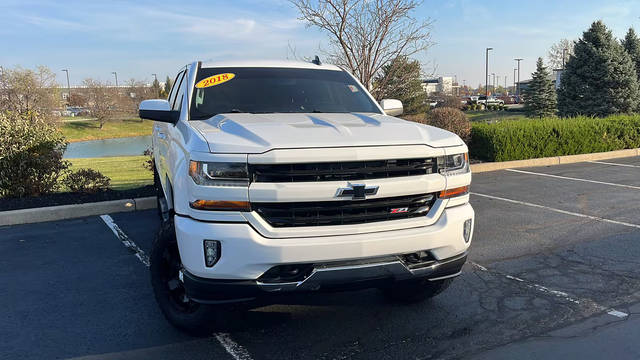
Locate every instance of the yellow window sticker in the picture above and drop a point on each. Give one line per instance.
(215, 80)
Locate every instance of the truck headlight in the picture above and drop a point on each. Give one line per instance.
(453, 164)
(219, 173)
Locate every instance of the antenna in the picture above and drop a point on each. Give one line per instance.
(316, 60)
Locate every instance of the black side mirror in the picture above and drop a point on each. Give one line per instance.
(158, 110)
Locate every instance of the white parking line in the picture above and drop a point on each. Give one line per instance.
(574, 179)
(615, 164)
(140, 254)
(596, 218)
(560, 294)
(234, 349)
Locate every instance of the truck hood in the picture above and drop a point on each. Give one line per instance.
(258, 133)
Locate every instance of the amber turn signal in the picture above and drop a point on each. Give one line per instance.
(459, 191)
(220, 205)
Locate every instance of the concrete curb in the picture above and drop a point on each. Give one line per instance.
(53, 213)
(556, 160)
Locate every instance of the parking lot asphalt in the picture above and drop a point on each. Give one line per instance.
(552, 272)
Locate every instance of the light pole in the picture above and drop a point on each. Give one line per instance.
(116, 75)
(563, 52)
(518, 88)
(514, 79)
(68, 85)
(493, 83)
(154, 83)
(486, 74)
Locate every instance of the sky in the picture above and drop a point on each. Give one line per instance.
(140, 38)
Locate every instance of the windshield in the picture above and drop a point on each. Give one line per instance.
(276, 90)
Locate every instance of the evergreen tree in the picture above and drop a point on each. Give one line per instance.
(540, 97)
(600, 77)
(167, 86)
(401, 79)
(156, 87)
(631, 44)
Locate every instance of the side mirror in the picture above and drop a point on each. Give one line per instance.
(158, 110)
(391, 107)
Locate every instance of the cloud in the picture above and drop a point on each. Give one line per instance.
(53, 23)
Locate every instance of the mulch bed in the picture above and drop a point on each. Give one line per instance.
(73, 198)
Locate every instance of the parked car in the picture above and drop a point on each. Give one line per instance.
(482, 99)
(278, 177)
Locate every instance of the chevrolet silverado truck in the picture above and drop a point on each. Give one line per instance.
(281, 177)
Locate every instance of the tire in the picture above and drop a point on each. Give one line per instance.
(180, 311)
(411, 291)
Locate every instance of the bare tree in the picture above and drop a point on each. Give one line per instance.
(27, 91)
(366, 35)
(135, 92)
(102, 100)
(556, 52)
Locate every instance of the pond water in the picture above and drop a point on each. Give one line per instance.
(108, 147)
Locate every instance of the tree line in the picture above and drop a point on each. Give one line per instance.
(600, 78)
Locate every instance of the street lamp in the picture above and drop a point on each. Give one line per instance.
(154, 83)
(514, 79)
(518, 88)
(68, 85)
(116, 75)
(493, 83)
(486, 73)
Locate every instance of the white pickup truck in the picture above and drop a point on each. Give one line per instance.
(280, 177)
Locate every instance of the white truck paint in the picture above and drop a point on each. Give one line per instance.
(194, 153)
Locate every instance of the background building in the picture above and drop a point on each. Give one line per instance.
(441, 85)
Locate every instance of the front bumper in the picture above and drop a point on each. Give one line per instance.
(324, 277)
(246, 254)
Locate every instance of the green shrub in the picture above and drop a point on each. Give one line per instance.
(452, 120)
(30, 155)
(87, 181)
(536, 138)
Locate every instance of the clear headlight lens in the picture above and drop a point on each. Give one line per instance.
(219, 173)
(453, 164)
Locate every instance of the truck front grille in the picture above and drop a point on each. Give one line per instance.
(284, 214)
(341, 171)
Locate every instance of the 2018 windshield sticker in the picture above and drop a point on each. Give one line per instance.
(353, 88)
(215, 80)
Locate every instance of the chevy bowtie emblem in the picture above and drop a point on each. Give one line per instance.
(357, 191)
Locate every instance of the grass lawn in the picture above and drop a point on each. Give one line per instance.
(488, 116)
(90, 129)
(126, 172)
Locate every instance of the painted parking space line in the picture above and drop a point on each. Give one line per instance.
(615, 164)
(559, 294)
(133, 247)
(574, 179)
(237, 351)
(591, 217)
(233, 348)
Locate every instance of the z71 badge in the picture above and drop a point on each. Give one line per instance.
(399, 210)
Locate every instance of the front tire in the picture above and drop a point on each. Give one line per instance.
(411, 291)
(165, 265)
